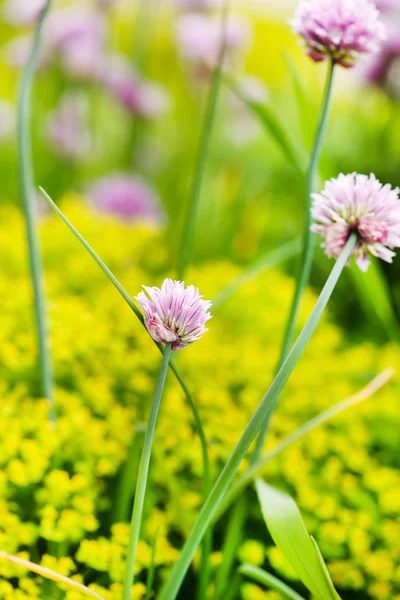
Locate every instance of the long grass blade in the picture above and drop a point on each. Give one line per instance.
(49, 574)
(265, 578)
(252, 472)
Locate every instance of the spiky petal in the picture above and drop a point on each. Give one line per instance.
(174, 314)
(358, 203)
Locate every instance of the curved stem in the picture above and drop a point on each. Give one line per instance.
(261, 576)
(141, 484)
(201, 163)
(173, 367)
(27, 191)
(262, 413)
(307, 253)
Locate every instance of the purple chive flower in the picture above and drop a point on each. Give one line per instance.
(382, 69)
(144, 99)
(199, 39)
(67, 128)
(22, 12)
(341, 30)
(174, 314)
(196, 5)
(362, 204)
(17, 50)
(126, 197)
(243, 128)
(77, 35)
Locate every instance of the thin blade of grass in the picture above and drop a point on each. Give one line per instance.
(265, 578)
(271, 124)
(252, 472)
(49, 574)
(304, 103)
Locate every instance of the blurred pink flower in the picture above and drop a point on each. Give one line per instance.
(384, 5)
(77, 34)
(142, 98)
(196, 5)
(199, 39)
(106, 4)
(243, 127)
(22, 12)
(126, 197)
(67, 128)
(174, 314)
(358, 203)
(383, 68)
(17, 50)
(341, 30)
(7, 120)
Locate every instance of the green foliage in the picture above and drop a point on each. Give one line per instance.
(289, 533)
(56, 485)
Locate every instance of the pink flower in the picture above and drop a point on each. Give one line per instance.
(199, 39)
(144, 99)
(22, 12)
(67, 128)
(174, 314)
(341, 30)
(383, 68)
(362, 204)
(126, 197)
(77, 35)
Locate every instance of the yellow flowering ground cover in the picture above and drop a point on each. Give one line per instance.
(60, 484)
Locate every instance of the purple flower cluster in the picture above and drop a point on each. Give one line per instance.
(199, 39)
(340, 30)
(358, 203)
(174, 314)
(67, 127)
(126, 197)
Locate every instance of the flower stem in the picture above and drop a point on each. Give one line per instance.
(201, 163)
(262, 413)
(141, 485)
(27, 191)
(307, 253)
(173, 367)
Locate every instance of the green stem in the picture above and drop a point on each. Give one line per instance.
(126, 487)
(254, 470)
(27, 190)
(262, 413)
(173, 367)
(141, 484)
(201, 163)
(308, 247)
(270, 581)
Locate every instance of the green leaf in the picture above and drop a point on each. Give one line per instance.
(290, 534)
(375, 298)
(270, 122)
